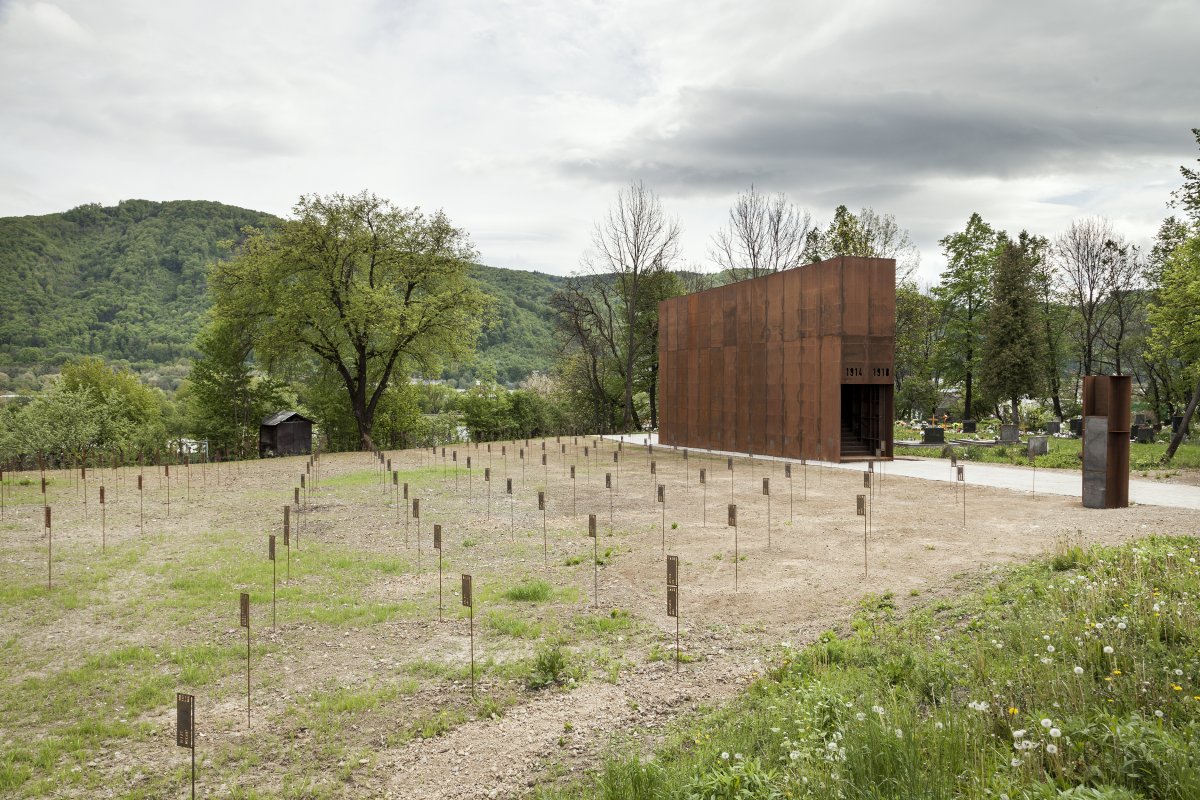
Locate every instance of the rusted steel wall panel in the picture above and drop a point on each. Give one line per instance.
(758, 366)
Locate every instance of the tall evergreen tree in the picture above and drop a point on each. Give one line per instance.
(1011, 366)
(964, 293)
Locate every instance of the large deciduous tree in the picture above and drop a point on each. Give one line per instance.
(1095, 266)
(764, 234)
(631, 247)
(868, 234)
(1011, 366)
(357, 286)
(1175, 322)
(964, 293)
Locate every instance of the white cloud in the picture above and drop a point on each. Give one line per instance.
(522, 119)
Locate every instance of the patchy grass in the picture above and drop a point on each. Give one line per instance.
(1076, 676)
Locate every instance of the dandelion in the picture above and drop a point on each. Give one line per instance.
(1158, 713)
(737, 756)
(1121, 626)
(1052, 749)
(899, 733)
(1049, 648)
(1016, 762)
(1079, 670)
(1046, 723)
(879, 710)
(1178, 672)
(794, 754)
(860, 716)
(938, 725)
(725, 756)
(1055, 733)
(1019, 733)
(1108, 651)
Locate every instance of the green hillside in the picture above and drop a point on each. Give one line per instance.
(128, 283)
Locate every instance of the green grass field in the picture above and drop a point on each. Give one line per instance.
(1064, 454)
(1073, 677)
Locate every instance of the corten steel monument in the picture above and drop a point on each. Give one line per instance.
(1106, 412)
(797, 363)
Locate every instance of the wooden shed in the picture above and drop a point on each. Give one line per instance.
(285, 433)
(796, 364)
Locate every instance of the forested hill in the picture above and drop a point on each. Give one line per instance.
(127, 282)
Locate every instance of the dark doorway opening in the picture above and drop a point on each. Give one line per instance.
(866, 420)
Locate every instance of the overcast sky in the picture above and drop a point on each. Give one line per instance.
(522, 120)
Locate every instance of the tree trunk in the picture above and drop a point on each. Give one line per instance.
(1016, 408)
(654, 398)
(1056, 397)
(1177, 438)
(968, 398)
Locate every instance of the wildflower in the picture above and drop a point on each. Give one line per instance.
(1051, 748)
(860, 716)
(879, 710)
(1013, 710)
(1055, 733)
(725, 756)
(1121, 626)
(1079, 670)
(1016, 762)
(1046, 723)
(938, 725)
(899, 733)
(1108, 651)
(737, 756)
(1158, 713)
(1019, 733)
(1049, 648)
(1178, 672)
(794, 754)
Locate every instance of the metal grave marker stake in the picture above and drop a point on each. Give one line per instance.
(573, 512)
(729, 466)
(271, 555)
(437, 545)
(662, 500)
(512, 514)
(767, 491)
(416, 512)
(673, 600)
(962, 478)
(287, 539)
(185, 729)
(732, 522)
(595, 559)
(787, 473)
(703, 497)
(102, 518)
(244, 621)
(861, 510)
(49, 549)
(487, 478)
(468, 601)
(608, 484)
(545, 541)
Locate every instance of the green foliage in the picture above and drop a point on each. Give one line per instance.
(548, 666)
(125, 282)
(918, 332)
(530, 591)
(965, 293)
(1074, 678)
(1012, 352)
(357, 290)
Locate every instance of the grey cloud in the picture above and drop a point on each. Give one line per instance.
(727, 138)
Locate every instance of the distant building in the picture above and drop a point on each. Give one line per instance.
(285, 433)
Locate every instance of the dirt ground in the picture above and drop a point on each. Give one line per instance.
(373, 632)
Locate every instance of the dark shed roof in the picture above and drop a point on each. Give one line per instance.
(284, 416)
